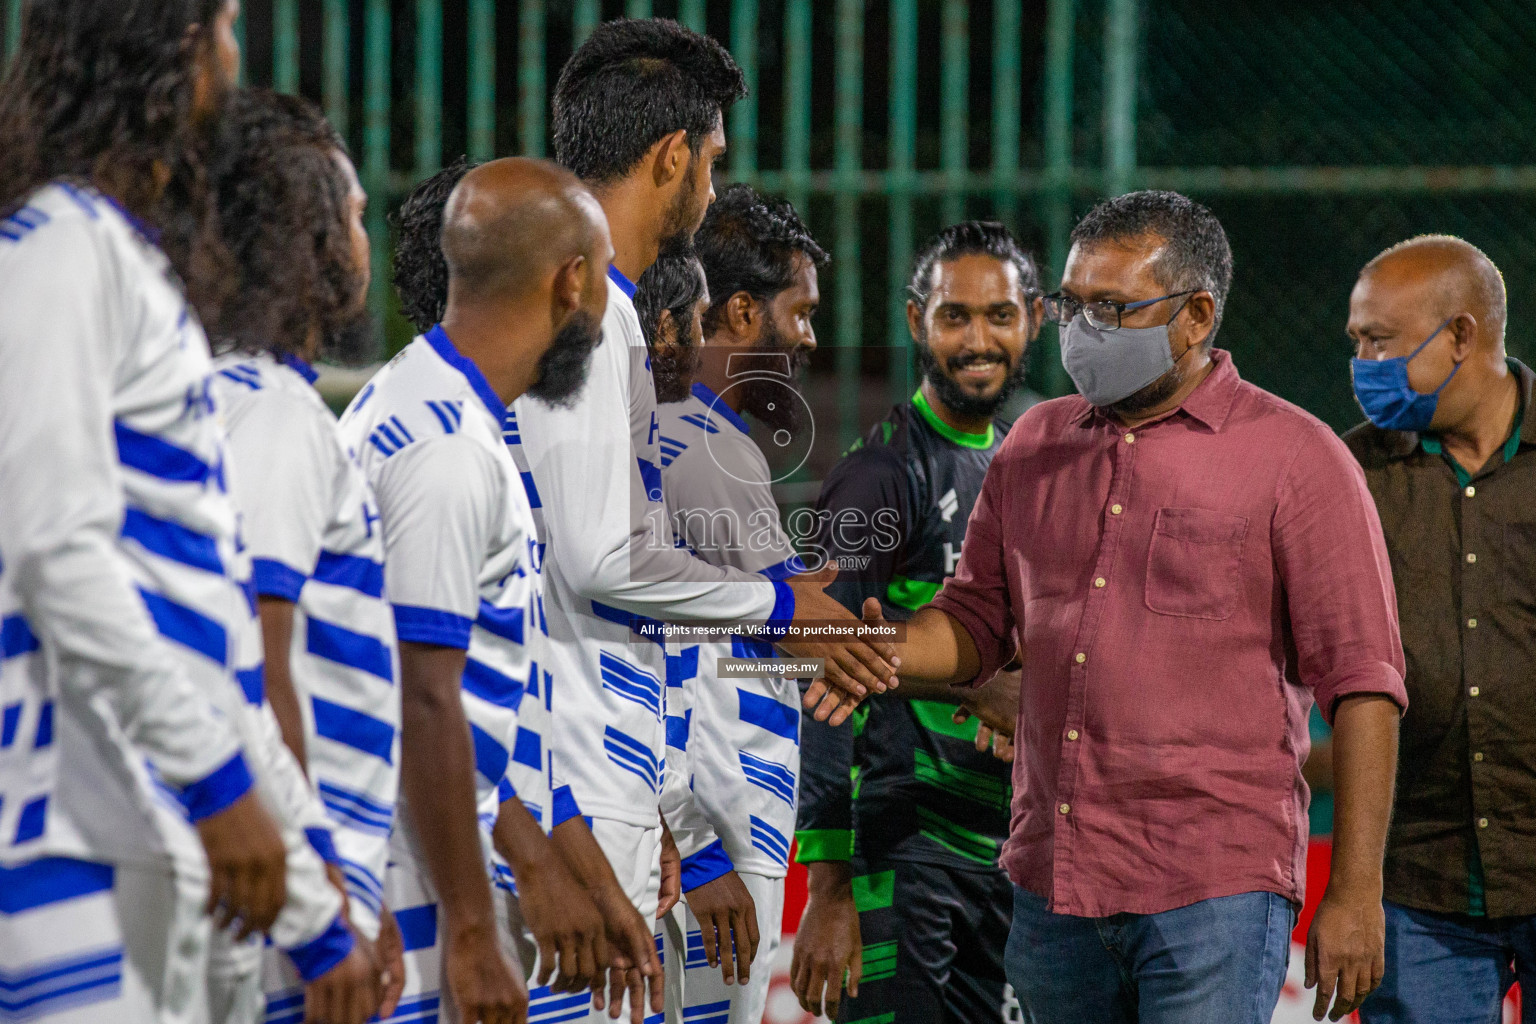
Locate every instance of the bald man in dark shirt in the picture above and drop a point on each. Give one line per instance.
(1450, 457)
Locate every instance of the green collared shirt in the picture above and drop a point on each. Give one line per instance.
(1432, 444)
(980, 442)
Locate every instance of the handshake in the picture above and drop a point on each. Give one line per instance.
(857, 667)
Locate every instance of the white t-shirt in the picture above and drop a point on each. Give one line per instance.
(461, 562)
(311, 527)
(594, 479)
(744, 761)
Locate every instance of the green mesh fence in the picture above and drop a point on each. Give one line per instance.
(1313, 83)
(1320, 131)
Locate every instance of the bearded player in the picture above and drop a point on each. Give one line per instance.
(902, 818)
(638, 117)
(118, 534)
(742, 759)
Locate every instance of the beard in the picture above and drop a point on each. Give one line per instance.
(767, 398)
(683, 217)
(563, 369)
(956, 397)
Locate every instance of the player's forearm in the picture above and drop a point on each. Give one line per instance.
(669, 584)
(277, 646)
(936, 654)
(521, 840)
(1364, 772)
(437, 778)
(578, 848)
(830, 878)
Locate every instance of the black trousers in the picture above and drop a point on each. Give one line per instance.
(933, 944)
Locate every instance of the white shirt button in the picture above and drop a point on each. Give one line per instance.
(1471, 623)
(1481, 822)
(1130, 438)
(1115, 510)
(1474, 691)
(1081, 658)
(1471, 558)
(1072, 735)
(1470, 491)
(1067, 809)
(1099, 582)
(1477, 756)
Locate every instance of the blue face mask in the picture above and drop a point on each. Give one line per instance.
(1388, 400)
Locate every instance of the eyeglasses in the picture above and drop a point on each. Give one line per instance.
(1063, 309)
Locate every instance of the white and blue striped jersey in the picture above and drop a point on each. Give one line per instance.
(311, 527)
(610, 567)
(309, 928)
(116, 538)
(121, 550)
(741, 735)
(461, 562)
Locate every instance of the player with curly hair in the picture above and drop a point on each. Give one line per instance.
(291, 208)
(119, 590)
(901, 818)
(670, 299)
(420, 272)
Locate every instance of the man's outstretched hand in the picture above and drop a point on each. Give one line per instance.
(855, 668)
(826, 700)
(835, 696)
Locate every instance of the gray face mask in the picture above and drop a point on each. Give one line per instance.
(1111, 366)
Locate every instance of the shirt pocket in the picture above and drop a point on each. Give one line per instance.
(1194, 561)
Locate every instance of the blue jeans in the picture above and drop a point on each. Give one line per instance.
(1453, 969)
(1219, 961)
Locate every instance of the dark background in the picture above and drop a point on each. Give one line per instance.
(1349, 84)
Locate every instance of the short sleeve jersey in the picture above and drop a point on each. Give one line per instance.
(743, 754)
(461, 562)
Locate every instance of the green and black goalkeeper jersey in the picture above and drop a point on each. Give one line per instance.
(901, 781)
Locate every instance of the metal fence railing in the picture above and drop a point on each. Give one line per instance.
(1319, 130)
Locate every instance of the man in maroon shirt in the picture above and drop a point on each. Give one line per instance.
(1189, 562)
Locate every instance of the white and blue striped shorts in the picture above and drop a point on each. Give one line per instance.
(87, 941)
